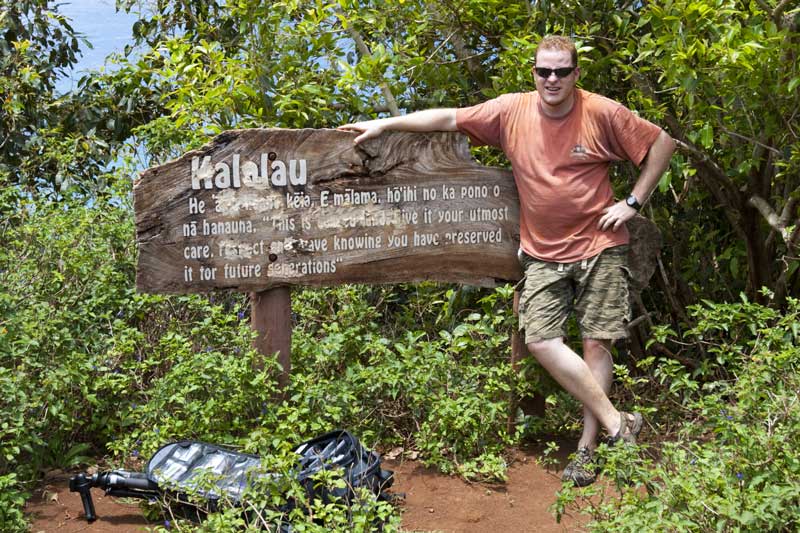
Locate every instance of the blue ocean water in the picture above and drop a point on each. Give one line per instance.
(99, 22)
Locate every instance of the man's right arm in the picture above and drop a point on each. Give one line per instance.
(428, 120)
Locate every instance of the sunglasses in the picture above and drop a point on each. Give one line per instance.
(562, 72)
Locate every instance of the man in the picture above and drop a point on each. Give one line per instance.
(560, 141)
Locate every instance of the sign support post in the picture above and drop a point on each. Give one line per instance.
(271, 312)
(530, 406)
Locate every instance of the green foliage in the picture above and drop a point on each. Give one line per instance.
(53, 144)
(191, 374)
(718, 73)
(37, 45)
(12, 499)
(89, 367)
(13, 403)
(63, 276)
(733, 466)
(445, 390)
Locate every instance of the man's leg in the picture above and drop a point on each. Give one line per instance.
(545, 303)
(602, 308)
(574, 374)
(597, 355)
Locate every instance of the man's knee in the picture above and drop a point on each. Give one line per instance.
(596, 349)
(544, 346)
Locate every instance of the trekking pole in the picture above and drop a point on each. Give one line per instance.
(83, 485)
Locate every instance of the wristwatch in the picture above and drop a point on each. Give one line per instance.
(633, 202)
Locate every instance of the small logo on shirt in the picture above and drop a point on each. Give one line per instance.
(579, 151)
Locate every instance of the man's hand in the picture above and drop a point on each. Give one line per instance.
(615, 216)
(654, 165)
(368, 129)
(428, 120)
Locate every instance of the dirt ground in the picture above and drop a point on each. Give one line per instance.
(433, 502)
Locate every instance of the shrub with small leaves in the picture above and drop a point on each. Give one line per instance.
(734, 465)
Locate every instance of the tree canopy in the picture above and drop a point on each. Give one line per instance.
(721, 77)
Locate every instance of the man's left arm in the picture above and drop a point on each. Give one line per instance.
(655, 164)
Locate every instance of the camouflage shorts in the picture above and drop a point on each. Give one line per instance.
(595, 289)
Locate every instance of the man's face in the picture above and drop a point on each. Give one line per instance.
(556, 93)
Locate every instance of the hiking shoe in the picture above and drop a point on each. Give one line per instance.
(581, 470)
(630, 425)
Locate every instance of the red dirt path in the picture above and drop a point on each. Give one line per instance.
(433, 502)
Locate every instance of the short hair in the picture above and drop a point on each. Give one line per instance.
(558, 42)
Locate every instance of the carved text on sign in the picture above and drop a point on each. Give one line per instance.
(223, 175)
(260, 208)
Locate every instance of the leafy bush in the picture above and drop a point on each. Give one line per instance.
(64, 272)
(734, 465)
(445, 392)
(12, 500)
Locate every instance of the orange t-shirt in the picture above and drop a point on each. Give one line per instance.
(561, 166)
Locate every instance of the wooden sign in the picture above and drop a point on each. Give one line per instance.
(260, 208)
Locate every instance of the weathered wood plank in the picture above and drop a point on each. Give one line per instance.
(405, 207)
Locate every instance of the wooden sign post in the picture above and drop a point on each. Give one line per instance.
(271, 318)
(260, 210)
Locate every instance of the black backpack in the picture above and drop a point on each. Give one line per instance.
(217, 474)
(340, 449)
(181, 464)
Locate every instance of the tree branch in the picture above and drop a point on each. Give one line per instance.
(782, 285)
(785, 217)
(778, 223)
(461, 59)
(716, 181)
(364, 50)
(766, 211)
(460, 48)
(725, 191)
(663, 350)
(778, 11)
(775, 14)
(430, 57)
(751, 140)
(672, 298)
(789, 123)
(463, 53)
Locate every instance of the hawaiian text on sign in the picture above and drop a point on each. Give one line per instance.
(227, 227)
